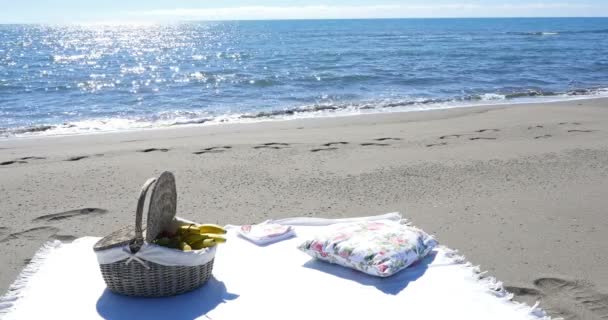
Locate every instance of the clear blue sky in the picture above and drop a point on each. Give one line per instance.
(92, 11)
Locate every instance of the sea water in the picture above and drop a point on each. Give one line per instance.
(71, 79)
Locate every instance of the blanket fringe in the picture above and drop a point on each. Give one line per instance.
(494, 286)
(15, 290)
(491, 284)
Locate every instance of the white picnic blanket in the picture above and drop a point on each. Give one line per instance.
(271, 282)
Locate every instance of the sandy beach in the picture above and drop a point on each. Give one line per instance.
(519, 190)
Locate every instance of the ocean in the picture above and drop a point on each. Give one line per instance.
(97, 78)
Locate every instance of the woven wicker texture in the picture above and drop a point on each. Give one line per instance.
(144, 278)
(117, 238)
(129, 234)
(163, 204)
(134, 279)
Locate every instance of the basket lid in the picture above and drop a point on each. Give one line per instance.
(163, 204)
(161, 212)
(115, 239)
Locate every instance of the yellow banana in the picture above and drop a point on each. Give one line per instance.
(192, 238)
(184, 246)
(203, 244)
(208, 243)
(195, 237)
(188, 229)
(217, 237)
(211, 228)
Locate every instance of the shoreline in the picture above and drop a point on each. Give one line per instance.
(275, 116)
(518, 189)
(326, 119)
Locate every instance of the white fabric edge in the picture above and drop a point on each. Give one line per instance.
(319, 222)
(8, 300)
(494, 286)
(266, 240)
(158, 254)
(490, 284)
(310, 221)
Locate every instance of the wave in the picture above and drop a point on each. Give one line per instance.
(25, 130)
(391, 104)
(179, 117)
(534, 33)
(589, 31)
(553, 33)
(58, 58)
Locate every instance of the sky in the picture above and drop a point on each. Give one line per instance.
(135, 11)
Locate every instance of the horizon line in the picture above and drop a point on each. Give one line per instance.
(101, 22)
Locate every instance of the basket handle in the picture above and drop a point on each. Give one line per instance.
(136, 244)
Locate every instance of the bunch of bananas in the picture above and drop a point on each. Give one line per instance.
(192, 237)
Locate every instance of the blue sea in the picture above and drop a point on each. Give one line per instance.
(95, 78)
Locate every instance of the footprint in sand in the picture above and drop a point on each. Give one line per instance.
(581, 131)
(70, 214)
(566, 298)
(154, 149)
(213, 150)
(64, 237)
(329, 144)
(481, 138)
(543, 137)
(450, 136)
(76, 158)
(367, 144)
(32, 158)
(437, 144)
(38, 233)
(323, 149)
(6, 163)
(21, 160)
(272, 145)
(522, 291)
(385, 139)
(3, 231)
(535, 127)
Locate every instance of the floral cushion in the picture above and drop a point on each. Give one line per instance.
(378, 248)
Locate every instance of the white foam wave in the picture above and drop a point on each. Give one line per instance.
(59, 58)
(139, 69)
(191, 118)
(492, 97)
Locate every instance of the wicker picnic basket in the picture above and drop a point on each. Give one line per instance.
(146, 278)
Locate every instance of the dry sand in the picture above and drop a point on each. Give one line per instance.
(520, 190)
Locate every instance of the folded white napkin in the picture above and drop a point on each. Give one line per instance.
(266, 233)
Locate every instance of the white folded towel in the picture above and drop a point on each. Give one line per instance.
(266, 233)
